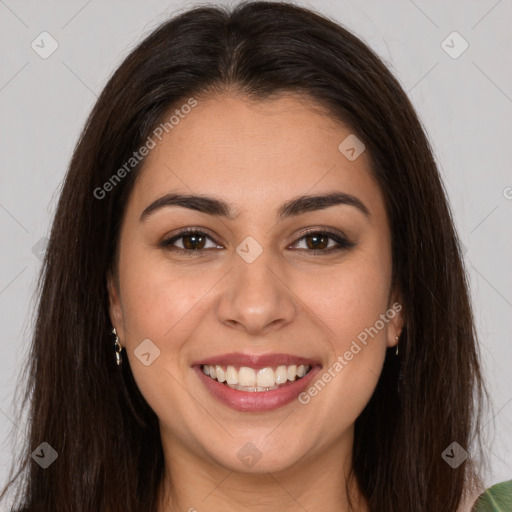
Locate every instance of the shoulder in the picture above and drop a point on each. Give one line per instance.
(497, 498)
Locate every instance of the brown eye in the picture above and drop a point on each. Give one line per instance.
(193, 242)
(317, 242)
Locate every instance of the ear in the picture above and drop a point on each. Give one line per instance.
(115, 309)
(396, 316)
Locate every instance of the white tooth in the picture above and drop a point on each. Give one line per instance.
(265, 378)
(292, 372)
(281, 375)
(231, 375)
(246, 376)
(221, 374)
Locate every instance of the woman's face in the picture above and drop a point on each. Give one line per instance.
(255, 292)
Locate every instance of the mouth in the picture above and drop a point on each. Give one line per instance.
(254, 380)
(250, 383)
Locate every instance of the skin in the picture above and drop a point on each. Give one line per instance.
(254, 156)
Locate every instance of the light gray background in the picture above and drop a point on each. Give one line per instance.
(464, 103)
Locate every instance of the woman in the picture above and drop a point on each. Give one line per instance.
(253, 295)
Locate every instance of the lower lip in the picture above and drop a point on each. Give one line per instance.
(257, 401)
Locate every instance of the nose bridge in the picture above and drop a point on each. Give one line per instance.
(255, 296)
(256, 277)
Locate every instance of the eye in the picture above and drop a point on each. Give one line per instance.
(193, 242)
(317, 242)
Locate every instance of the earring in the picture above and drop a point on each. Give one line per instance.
(117, 347)
(397, 338)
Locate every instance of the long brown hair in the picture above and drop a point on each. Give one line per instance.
(107, 437)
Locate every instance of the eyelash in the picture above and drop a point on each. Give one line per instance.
(343, 243)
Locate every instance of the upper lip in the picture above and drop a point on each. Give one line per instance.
(255, 361)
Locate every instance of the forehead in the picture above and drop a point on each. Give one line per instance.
(255, 153)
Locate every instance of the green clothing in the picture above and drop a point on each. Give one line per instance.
(497, 498)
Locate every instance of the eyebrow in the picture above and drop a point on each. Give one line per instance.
(218, 207)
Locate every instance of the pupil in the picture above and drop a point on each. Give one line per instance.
(316, 238)
(192, 245)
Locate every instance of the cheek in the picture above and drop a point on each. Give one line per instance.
(155, 295)
(162, 306)
(349, 298)
(350, 302)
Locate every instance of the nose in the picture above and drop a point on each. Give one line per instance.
(257, 297)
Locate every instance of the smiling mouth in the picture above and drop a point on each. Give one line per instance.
(249, 379)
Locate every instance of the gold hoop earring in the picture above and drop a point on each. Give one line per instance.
(397, 338)
(118, 348)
